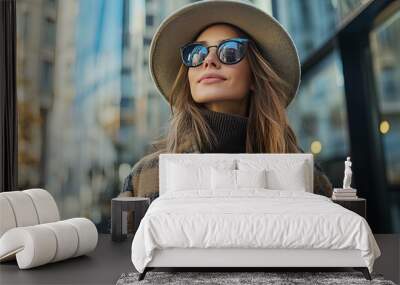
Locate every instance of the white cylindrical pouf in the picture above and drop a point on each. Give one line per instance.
(23, 208)
(87, 233)
(7, 218)
(31, 232)
(33, 245)
(45, 205)
(67, 239)
(45, 243)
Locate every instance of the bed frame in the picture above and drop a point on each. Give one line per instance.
(249, 258)
(240, 259)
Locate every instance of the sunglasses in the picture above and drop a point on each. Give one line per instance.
(229, 51)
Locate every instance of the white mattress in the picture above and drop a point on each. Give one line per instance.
(250, 218)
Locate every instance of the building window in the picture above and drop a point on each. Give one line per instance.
(313, 22)
(146, 41)
(47, 77)
(309, 22)
(149, 20)
(385, 47)
(347, 7)
(49, 30)
(318, 112)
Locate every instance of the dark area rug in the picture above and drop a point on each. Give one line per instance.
(229, 278)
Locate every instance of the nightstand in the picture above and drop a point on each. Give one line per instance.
(121, 207)
(358, 205)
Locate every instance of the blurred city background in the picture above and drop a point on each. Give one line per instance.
(88, 109)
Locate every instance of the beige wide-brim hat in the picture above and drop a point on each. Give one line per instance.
(184, 24)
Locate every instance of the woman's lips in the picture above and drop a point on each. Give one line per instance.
(210, 80)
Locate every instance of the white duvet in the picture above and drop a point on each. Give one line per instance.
(250, 218)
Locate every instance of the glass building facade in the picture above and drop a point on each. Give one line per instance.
(320, 113)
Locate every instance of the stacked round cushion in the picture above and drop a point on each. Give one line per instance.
(31, 231)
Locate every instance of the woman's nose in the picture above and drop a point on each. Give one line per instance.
(211, 58)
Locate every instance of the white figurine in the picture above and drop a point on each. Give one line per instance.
(347, 174)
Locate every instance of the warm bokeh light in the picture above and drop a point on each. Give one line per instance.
(316, 147)
(384, 127)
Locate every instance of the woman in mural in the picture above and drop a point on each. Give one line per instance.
(228, 71)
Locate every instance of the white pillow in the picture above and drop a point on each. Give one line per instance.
(293, 181)
(282, 174)
(183, 177)
(251, 178)
(223, 179)
(237, 179)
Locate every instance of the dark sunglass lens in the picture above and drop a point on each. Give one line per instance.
(194, 54)
(231, 52)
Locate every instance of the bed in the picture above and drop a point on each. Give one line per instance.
(245, 211)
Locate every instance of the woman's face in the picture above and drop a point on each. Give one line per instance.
(237, 80)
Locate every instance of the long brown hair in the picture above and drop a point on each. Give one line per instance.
(268, 129)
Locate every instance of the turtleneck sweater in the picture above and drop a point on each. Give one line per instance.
(229, 129)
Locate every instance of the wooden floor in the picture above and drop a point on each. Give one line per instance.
(110, 259)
